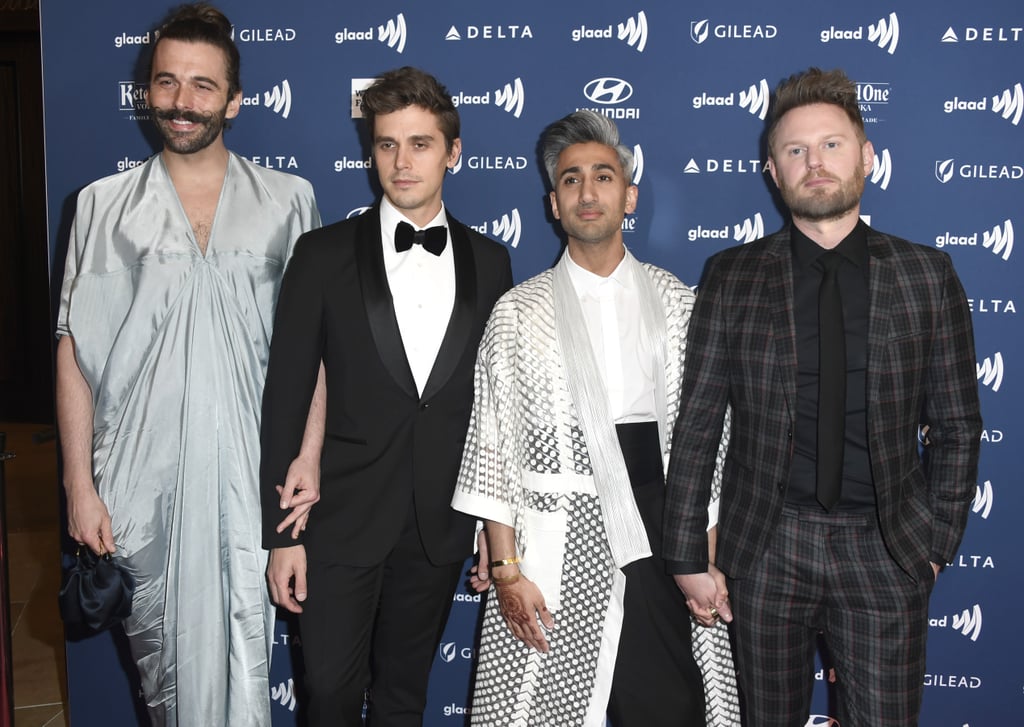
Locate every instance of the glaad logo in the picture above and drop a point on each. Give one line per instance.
(881, 170)
(511, 98)
(822, 720)
(120, 41)
(983, 500)
(968, 622)
(990, 371)
(701, 30)
(633, 31)
(392, 34)
(998, 240)
(284, 694)
(1009, 104)
(506, 228)
(132, 99)
(945, 169)
(125, 163)
(755, 99)
(638, 164)
(489, 32)
(357, 211)
(752, 228)
(985, 35)
(278, 99)
(885, 33)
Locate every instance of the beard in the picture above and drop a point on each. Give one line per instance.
(821, 206)
(211, 125)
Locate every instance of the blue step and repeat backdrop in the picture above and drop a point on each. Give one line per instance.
(688, 82)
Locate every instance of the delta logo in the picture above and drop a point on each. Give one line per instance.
(997, 34)
(508, 228)
(990, 371)
(1009, 104)
(510, 98)
(702, 30)
(132, 99)
(998, 240)
(946, 169)
(392, 34)
(967, 623)
(726, 166)
(278, 99)
(632, 31)
(750, 229)
(885, 33)
(755, 99)
(490, 32)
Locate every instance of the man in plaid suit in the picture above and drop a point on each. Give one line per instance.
(855, 561)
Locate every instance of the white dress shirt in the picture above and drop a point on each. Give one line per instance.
(611, 308)
(422, 289)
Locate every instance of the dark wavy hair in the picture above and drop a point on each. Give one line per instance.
(407, 86)
(203, 23)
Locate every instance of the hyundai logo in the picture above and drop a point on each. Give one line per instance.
(608, 90)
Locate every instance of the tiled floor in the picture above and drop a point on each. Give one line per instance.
(37, 643)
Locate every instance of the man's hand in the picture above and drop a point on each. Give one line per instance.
(300, 492)
(706, 595)
(521, 605)
(286, 576)
(479, 577)
(89, 520)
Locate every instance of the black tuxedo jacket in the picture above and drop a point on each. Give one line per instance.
(384, 445)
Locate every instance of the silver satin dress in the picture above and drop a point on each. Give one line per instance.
(174, 346)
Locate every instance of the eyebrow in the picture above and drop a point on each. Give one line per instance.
(413, 138)
(600, 166)
(200, 79)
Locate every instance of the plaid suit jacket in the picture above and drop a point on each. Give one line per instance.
(741, 352)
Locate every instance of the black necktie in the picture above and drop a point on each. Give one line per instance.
(433, 239)
(831, 382)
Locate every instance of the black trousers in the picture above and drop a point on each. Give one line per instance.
(378, 627)
(656, 682)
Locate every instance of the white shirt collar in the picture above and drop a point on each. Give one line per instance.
(585, 282)
(390, 216)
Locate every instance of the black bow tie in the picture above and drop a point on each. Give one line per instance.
(433, 239)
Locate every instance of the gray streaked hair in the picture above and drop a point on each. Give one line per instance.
(581, 127)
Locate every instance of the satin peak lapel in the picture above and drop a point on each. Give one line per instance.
(460, 325)
(380, 308)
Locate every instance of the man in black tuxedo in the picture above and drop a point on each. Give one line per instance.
(395, 315)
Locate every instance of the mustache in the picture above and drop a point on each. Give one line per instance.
(193, 117)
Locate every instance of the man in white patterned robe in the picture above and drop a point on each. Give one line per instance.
(577, 385)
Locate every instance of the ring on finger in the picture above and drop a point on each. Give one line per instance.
(713, 611)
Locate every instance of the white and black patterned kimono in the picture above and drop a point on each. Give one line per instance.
(526, 465)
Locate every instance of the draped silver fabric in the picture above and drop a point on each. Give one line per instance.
(174, 345)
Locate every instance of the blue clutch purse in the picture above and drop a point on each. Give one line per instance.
(96, 592)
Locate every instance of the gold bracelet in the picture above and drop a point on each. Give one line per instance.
(506, 581)
(504, 561)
